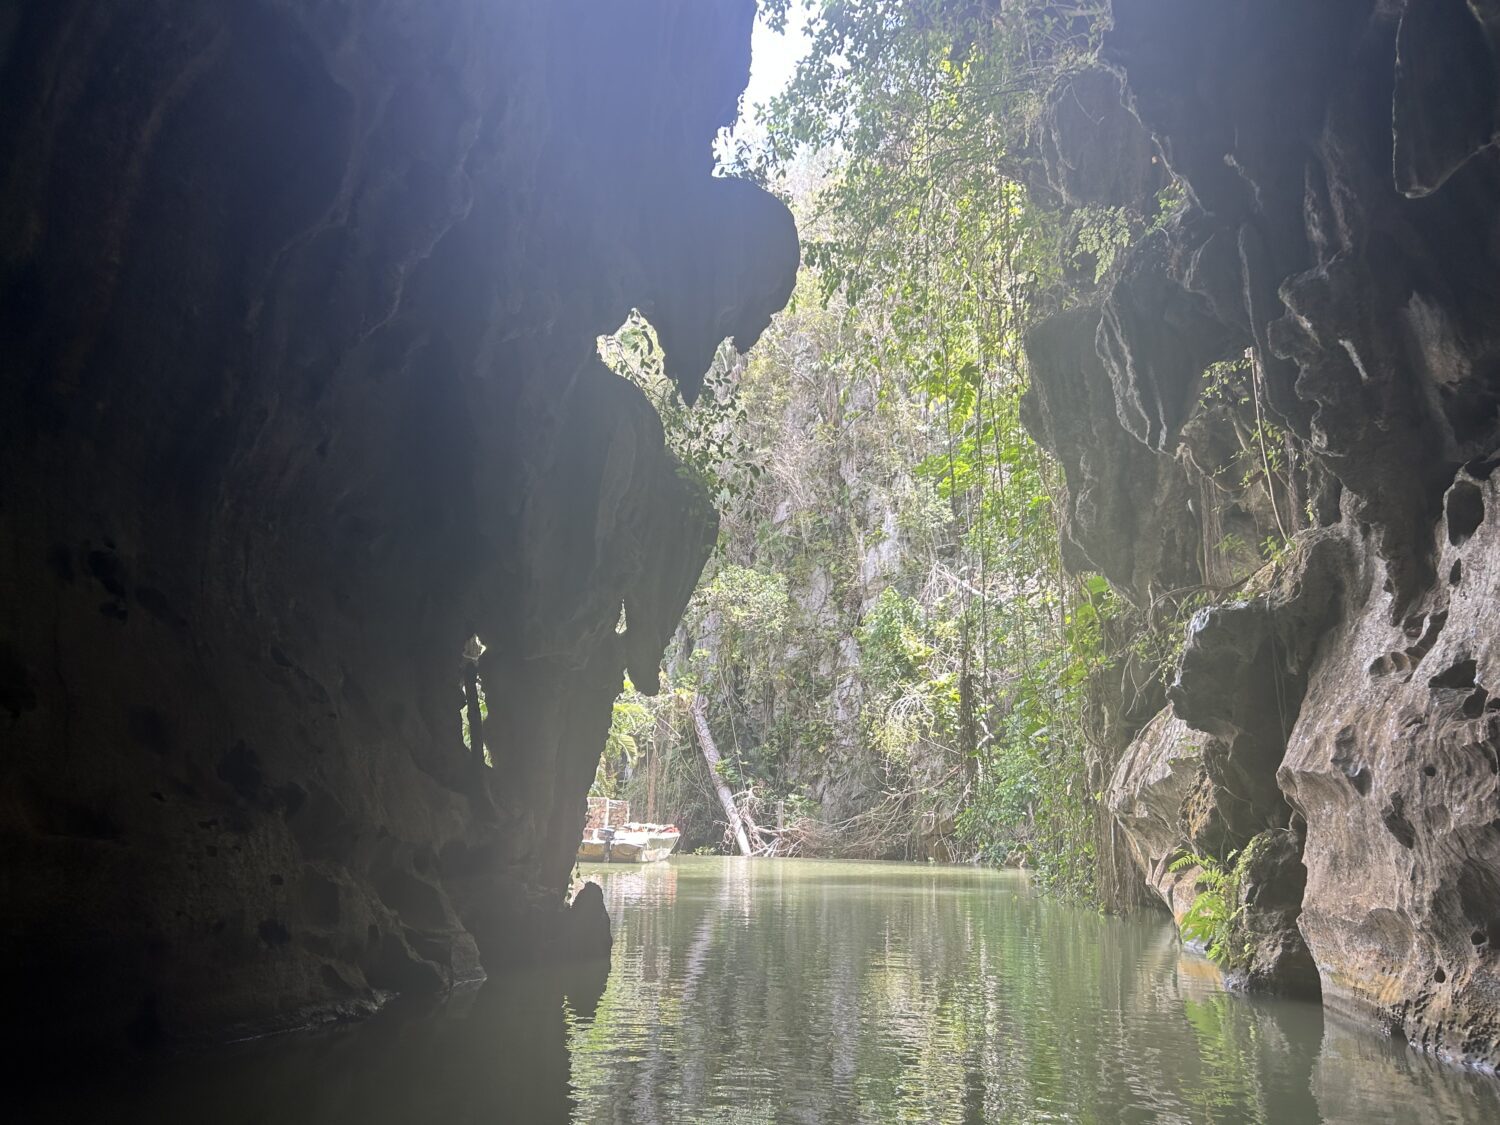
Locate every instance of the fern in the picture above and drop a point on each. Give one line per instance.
(1216, 912)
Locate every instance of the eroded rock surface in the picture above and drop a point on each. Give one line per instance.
(1152, 795)
(1394, 765)
(1320, 294)
(299, 393)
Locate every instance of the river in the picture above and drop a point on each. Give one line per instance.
(804, 991)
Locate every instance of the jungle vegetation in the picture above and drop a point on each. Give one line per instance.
(891, 658)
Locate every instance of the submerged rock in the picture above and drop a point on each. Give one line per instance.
(587, 936)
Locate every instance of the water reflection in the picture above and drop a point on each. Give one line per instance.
(815, 992)
(810, 992)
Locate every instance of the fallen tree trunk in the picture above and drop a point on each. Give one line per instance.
(699, 708)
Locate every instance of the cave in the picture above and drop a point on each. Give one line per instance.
(327, 534)
(301, 400)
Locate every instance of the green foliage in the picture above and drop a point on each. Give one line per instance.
(484, 714)
(707, 438)
(1263, 444)
(751, 601)
(1102, 233)
(1171, 201)
(1217, 914)
(1225, 381)
(891, 646)
(1275, 549)
(631, 718)
(1157, 636)
(1215, 909)
(974, 661)
(888, 624)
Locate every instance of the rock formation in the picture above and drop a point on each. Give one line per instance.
(1337, 244)
(299, 393)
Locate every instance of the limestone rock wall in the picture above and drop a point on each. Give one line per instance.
(299, 392)
(1150, 795)
(1340, 227)
(1394, 765)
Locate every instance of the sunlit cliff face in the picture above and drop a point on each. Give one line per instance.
(300, 394)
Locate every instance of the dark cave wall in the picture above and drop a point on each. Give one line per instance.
(1342, 222)
(298, 391)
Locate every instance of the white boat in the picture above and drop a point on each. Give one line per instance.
(629, 843)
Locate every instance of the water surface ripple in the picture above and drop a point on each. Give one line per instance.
(800, 991)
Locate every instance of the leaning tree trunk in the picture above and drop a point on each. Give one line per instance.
(699, 709)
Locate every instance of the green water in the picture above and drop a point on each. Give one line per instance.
(752, 991)
(795, 991)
